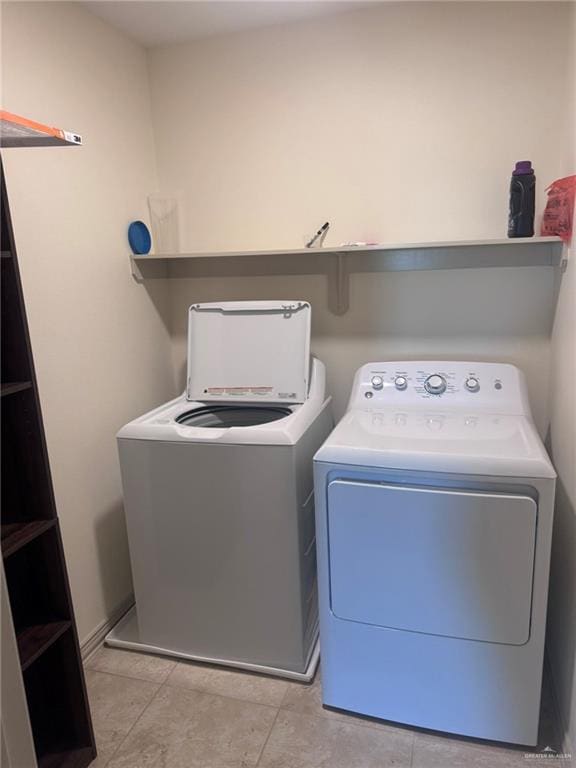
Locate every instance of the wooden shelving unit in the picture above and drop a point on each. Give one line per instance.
(34, 640)
(33, 558)
(15, 386)
(337, 263)
(16, 535)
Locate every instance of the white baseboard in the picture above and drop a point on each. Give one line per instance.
(96, 637)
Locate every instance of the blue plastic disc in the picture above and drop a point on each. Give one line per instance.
(139, 238)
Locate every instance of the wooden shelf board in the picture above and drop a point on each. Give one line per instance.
(338, 262)
(508, 243)
(391, 257)
(68, 758)
(17, 535)
(10, 388)
(33, 641)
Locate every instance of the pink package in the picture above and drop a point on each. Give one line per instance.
(559, 213)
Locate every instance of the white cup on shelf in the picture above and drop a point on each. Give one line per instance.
(164, 219)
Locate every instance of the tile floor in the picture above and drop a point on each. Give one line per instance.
(152, 712)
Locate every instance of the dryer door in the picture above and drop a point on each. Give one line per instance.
(442, 562)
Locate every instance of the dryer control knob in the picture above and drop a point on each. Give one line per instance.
(401, 382)
(377, 382)
(472, 384)
(435, 384)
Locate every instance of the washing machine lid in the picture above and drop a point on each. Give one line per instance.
(249, 351)
(431, 441)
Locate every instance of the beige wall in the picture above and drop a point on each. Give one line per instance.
(446, 314)
(562, 605)
(397, 123)
(100, 346)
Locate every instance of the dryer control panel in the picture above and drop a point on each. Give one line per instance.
(497, 387)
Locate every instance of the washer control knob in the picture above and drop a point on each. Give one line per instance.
(472, 384)
(401, 382)
(377, 382)
(435, 384)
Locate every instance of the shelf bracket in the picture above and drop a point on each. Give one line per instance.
(142, 270)
(338, 284)
(136, 271)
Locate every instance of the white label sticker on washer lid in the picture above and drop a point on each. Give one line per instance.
(250, 351)
(239, 391)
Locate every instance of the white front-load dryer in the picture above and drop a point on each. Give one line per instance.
(434, 504)
(218, 494)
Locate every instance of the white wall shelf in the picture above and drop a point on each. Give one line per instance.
(337, 263)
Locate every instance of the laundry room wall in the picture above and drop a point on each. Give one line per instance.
(562, 603)
(100, 344)
(396, 123)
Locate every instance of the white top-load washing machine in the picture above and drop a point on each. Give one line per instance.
(218, 492)
(434, 505)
